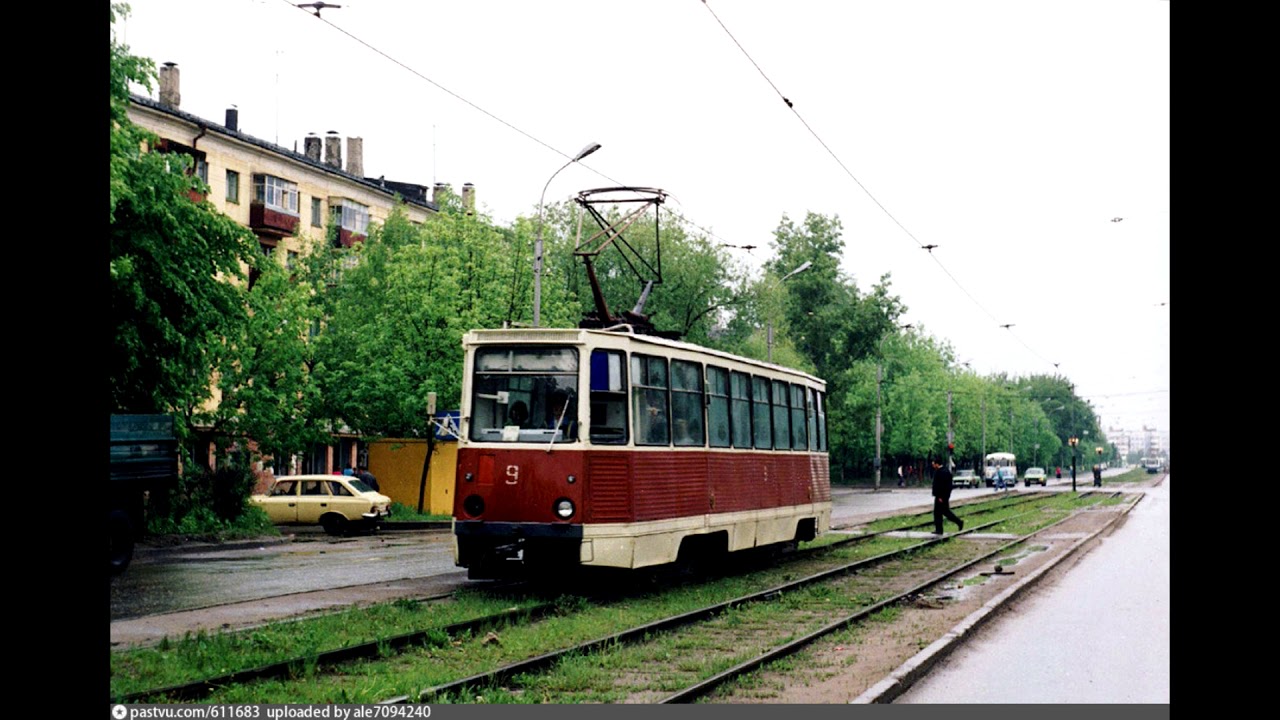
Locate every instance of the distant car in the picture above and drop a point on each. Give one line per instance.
(337, 503)
(965, 478)
(1035, 475)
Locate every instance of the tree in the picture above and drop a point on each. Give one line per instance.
(268, 393)
(394, 311)
(176, 264)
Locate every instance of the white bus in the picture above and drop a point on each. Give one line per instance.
(1006, 463)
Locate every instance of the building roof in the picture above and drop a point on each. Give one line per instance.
(412, 193)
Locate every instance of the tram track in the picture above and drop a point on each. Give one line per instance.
(384, 648)
(702, 621)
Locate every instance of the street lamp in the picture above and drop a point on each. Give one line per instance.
(769, 334)
(537, 245)
(879, 424)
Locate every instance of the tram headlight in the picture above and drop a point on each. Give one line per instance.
(563, 508)
(473, 505)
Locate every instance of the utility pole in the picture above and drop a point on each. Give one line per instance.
(984, 437)
(879, 425)
(951, 434)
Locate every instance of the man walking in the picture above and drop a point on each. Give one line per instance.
(942, 498)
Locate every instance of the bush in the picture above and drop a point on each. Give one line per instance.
(210, 504)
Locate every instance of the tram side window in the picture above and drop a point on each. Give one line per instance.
(718, 406)
(608, 398)
(799, 440)
(822, 422)
(781, 427)
(813, 418)
(686, 404)
(740, 414)
(763, 435)
(649, 400)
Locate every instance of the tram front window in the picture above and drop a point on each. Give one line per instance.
(525, 395)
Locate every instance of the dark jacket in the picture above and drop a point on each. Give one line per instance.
(942, 483)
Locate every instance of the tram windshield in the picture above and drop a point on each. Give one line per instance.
(526, 394)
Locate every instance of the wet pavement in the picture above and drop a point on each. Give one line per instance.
(1097, 634)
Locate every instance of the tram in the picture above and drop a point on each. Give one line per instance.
(1006, 463)
(612, 448)
(616, 445)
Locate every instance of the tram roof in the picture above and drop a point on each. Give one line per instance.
(584, 335)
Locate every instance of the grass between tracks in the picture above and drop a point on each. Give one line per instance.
(443, 659)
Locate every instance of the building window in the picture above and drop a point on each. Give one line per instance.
(352, 216)
(315, 213)
(291, 260)
(276, 193)
(233, 187)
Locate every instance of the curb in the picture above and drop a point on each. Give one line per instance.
(917, 666)
(250, 543)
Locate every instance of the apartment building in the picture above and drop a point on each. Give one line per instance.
(287, 199)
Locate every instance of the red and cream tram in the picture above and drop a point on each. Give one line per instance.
(613, 449)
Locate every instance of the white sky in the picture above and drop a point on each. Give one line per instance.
(1008, 133)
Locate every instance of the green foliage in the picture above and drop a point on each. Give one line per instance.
(174, 265)
(394, 321)
(403, 513)
(209, 503)
(269, 393)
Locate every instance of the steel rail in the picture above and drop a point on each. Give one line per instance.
(540, 662)
(704, 687)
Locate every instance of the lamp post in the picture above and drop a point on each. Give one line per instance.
(537, 245)
(769, 332)
(1073, 442)
(879, 377)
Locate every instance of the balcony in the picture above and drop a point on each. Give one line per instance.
(348, 238)
(269, 220)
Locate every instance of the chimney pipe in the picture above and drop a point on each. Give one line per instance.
(311, 147)
(333, 150)
(355, 156)
(469, 198)
(169, 95)
(233, 118)
(437, 194)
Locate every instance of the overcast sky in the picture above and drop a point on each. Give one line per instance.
(1027, 140)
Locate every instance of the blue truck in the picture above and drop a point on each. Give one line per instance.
(144, 457)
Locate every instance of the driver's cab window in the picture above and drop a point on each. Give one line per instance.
(284, 487)
(339, 489)
(525, 394)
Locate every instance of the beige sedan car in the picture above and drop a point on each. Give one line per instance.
(337, 503)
